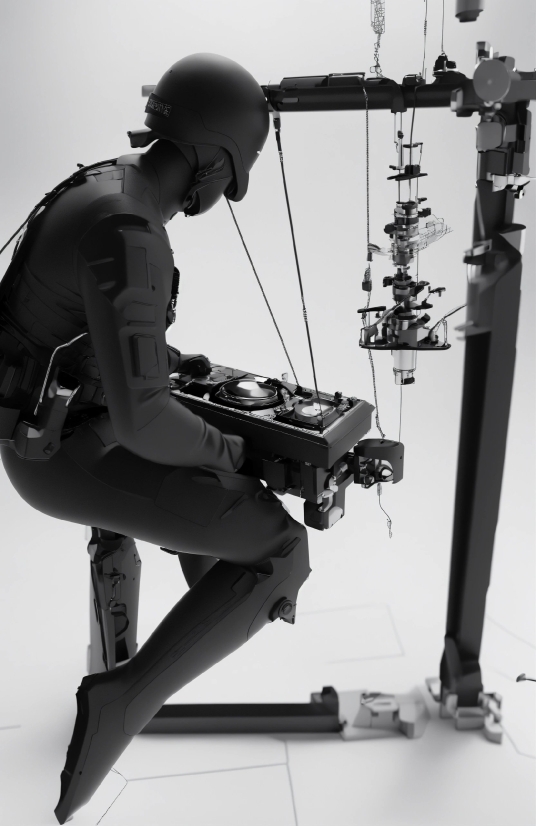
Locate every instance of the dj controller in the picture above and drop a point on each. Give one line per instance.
(296, 441)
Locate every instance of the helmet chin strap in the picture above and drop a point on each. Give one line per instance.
(214, 176)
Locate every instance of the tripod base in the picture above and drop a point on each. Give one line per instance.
(355, 715)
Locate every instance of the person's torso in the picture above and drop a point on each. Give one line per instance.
(43, 309)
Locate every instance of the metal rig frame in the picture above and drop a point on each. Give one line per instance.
(500, 94)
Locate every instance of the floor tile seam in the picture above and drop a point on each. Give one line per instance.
(516, 749)
(115, 798)
(511, 633)
(395, 629)
(289, 776)
(487, 664)
(210, 771)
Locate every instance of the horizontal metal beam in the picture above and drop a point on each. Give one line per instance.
(344, 92)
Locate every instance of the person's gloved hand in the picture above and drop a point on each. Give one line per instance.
(196, 364)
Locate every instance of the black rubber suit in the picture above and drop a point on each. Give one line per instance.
(133, 461)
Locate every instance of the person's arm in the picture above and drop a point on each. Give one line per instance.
(125, 267)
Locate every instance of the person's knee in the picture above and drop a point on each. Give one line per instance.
(281, 577)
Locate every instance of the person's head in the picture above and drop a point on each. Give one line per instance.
(216, 113)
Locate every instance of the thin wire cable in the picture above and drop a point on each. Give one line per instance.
(400, 419)
(415, 90)
(304, 308)
(368, 271)
(14, 234)
(443, 29)
(367, 166)
(377, 416)
(389, 520)
(263, 293)
(49, 196)
(451, 312)
(425, 32)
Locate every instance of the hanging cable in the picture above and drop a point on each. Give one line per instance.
(443, 320)
(443, 29)
(277, 125)
(425, 32)
(49, 196)
(367, 280)
(263, 293)
(377, 415)
(389, 520)
(400, 419)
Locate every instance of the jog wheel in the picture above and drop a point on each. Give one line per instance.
(248, 394)
(311, 411)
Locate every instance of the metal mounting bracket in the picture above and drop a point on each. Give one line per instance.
(486, 715)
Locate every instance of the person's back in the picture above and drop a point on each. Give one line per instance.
(44, 308)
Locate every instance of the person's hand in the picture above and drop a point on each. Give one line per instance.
(196, 364)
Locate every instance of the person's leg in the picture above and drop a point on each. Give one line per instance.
(263, 562)
(218, 615)
(115, 568)
(195, 567)
(192, 510)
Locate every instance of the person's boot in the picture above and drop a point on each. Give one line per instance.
(220, 613)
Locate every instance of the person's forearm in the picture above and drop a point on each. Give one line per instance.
(178, 437)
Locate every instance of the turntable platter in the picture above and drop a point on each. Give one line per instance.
(310, 410)
(250, 390)
(248, 393)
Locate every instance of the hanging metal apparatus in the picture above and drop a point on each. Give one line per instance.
(403, 328)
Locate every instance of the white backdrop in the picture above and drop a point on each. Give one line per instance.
(71, 72)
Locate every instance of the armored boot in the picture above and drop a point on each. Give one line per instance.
(220, 613)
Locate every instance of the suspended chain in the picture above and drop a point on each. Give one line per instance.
(377, 14)
(425, 33)
(277, 125)
(262, 291)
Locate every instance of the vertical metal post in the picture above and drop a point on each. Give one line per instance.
(491, 328)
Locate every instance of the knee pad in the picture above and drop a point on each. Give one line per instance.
(279, 579)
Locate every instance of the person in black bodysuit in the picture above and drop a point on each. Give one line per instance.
(90, 288)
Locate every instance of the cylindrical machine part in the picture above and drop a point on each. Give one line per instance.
(468, 10)
(405, 362)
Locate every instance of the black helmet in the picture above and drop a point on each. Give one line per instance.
(206, 99)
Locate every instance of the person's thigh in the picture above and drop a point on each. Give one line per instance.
(94, 481)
